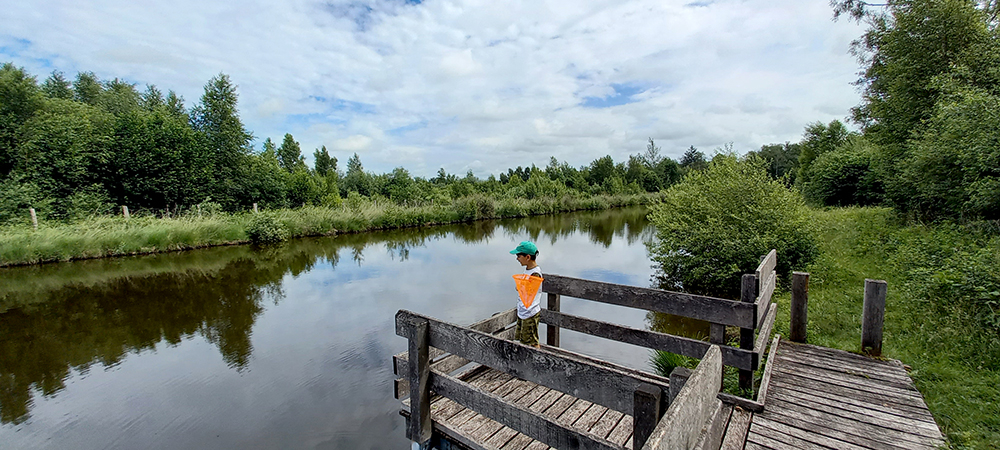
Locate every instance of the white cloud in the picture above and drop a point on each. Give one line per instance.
(453, 83)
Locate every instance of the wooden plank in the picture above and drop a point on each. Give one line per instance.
(869, 426)
(622, 433)
(770, 428)
(765, 381)
(829, 389)
(680, 345)
(764, 297)
(599, 384)
(418, 340)
(589, 418)
(736, 432)
(515, 416)
(799, 308)
(711, 436)
(874, 373)
(846, 435)
(780, 441)
(830, 399)
(745, 403)
(843, 355)
(748, 294)
(681, 425)
(872, 316)
(551, 331)
(898, 382)
(492, 324)
(709, 309)
(768, 264)
(864, 414)
(606, 423)
(765, 334)
(447, 364)
(650, 378)
(848, 381)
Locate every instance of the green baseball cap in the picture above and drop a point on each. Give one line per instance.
(526, 247)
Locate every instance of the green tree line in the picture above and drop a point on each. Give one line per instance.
(71, 149)
(929, 139)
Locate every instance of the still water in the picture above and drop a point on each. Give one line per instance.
(286, 347)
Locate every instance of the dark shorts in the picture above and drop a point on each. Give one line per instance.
(527, 330)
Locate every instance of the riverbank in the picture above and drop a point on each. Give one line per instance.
(100, 237)
(942, 314)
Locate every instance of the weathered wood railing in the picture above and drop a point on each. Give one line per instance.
(751, 313)
(436, 349)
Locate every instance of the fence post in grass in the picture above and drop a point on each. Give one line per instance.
(34, 218)
(125, 212)
(800, 306)
(420, 389)
(199, 210)
(873, 316)
(552, 331)
(255, 208)
(748, 294)
(646, 413)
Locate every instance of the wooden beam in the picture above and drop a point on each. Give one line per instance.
(598, 384)
(768, 264)
(447, 364)
(765, 333)
(491, 324)
(873, 316)
(764, 297)
(748, 295)
(516, 416)
(798, 311)
(688, 414)
(552, 331)
(745, 403)
(419, 376)
(709, 309)
(647, 413)
(765, 381)
(734, 357)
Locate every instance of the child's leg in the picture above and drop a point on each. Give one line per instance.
(517, 331)
(530, 330)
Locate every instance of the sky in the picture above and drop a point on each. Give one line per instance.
(469, 85)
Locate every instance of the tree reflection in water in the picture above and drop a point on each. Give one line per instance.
(66, 317)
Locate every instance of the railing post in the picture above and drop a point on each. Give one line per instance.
(551, 331)
(748, 294)
(800, 306)
(873, 316)
(646, 413)
(717, 334)
(420, 393)
(678, 377)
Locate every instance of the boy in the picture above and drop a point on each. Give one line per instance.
(527, 318)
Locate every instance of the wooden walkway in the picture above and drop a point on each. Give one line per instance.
(817, 398)
(820, 398)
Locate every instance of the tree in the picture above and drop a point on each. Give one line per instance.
(652, 156)
(226, 140)
(57, 86)
(846, 176)
(323, 163)
(817, 140)
(20, 99)
(87, 88)
(290, 155)
(600, 170)
(715, 224)
(782, 159)
(693, 159)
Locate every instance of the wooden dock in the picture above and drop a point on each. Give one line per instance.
(471, 387)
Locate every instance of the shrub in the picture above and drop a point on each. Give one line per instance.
(265, 229)
(844, 177)
(714, 226)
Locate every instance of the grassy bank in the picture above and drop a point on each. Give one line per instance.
(115, 236)
(942, 314)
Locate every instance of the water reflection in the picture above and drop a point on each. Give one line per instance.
(63, 318)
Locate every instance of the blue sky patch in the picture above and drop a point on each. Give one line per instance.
(399, 131)
(622, 96)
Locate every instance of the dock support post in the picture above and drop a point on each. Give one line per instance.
(552, 331)
(800, 306)
(646, 413)
(420, 392)
(748, 294)
(34, 218)
(873, 316)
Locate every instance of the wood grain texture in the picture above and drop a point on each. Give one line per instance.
(765, 380)
(650, 339)
(683, 421)
(552, 331)
(799, 308)
(736, 431)
(766, 291)
(768, 263)
(710, 309)
(419, 376)
(873, 316)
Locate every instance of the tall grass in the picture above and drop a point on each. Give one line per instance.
(98, 237)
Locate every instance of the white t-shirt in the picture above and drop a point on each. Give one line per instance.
(536, 304)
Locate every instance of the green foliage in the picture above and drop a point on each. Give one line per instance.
(846, 176)
(290, 155)
(693, 159)
(782, 159)
(266, 229)
(19, 100)
(954, 168)
(227, 142)
(715, 224)
(323, 163)
(302, 188)
(817, 140)
(665, 362)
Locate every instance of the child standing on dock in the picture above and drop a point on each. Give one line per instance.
(528, 315)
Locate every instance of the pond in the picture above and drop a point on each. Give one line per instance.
(285, 347)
